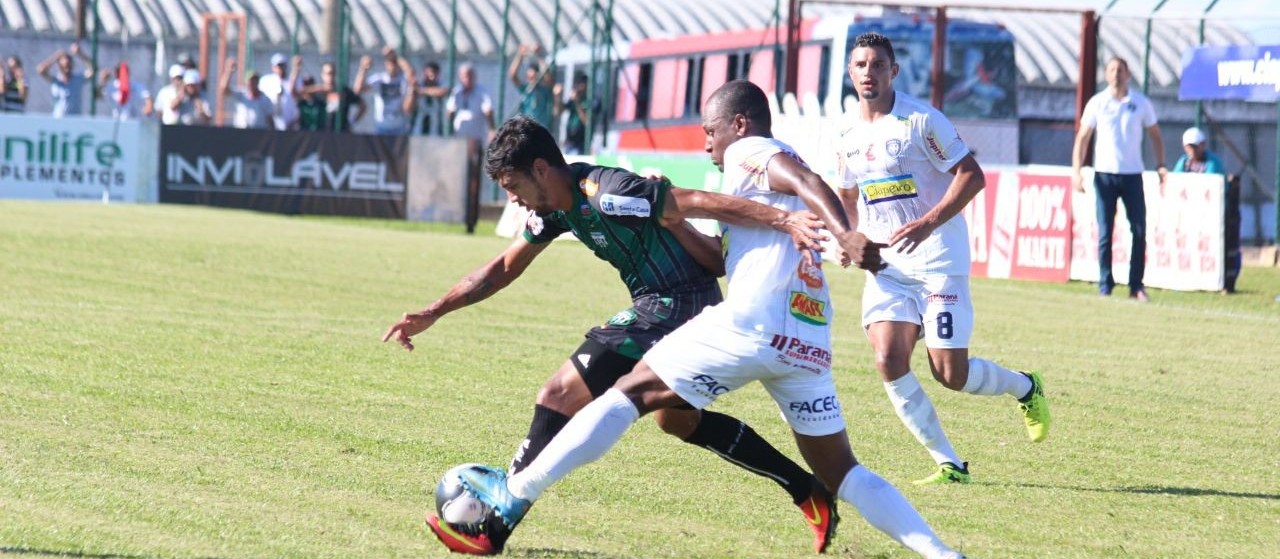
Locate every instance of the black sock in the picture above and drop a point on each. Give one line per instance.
(546, 423)
(738, 443)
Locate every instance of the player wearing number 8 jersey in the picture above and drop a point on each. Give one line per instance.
(906, 175)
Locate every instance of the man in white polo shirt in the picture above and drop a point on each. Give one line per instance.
(1119, 115)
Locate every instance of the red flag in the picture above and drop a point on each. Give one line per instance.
(123, 91)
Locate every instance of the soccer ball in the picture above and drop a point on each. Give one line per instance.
(455, 504)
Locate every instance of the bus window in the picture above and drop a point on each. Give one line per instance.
(732, 71)
(644, 90)
(824, 74)
(693, 88)
(713, 74)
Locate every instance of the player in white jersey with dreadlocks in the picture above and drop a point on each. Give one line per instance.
(906, 174)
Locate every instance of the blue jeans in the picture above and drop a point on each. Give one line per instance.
(1112, 187)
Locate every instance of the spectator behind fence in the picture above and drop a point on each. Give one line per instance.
(1199, 159)
(187, 61)
(253, 109)
(66, 86)
(430, 92)
(1119, 115)
(470, 108)
(538, 98)
(188, 104)
(310, 104)
(13, 87)
(580, 113)
(392, 92)
(129, 99)
(164, 97)
(337, 101)
(278, 86)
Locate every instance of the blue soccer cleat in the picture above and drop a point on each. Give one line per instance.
(490, 485)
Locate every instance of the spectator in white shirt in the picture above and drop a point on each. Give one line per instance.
(279, 86)
(470, 107)
(253, 109)
(128, 101)
(393, 93)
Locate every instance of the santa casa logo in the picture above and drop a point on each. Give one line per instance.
(807, 309)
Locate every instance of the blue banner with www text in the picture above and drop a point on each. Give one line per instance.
(1242, 72)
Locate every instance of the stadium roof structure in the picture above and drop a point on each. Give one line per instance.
(1047, 43)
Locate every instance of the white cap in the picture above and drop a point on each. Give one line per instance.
(176, 71)
(191, 76)
(278, 59)
(1193, 136)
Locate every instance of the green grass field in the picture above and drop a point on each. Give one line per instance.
(189, 382)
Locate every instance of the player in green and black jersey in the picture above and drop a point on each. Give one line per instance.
(638, 226)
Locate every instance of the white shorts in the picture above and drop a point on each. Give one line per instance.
(709, 356)
(939, 303)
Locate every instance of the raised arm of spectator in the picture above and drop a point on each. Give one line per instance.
(43, 67)
(88, 62)
(224, 80)
(513, 71)
(362, 73)
(104, 77)
(294, 75)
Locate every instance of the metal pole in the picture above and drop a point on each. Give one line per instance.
(502, 61)
(938, 73)
(447, 127)
(555, 33)
(1146, 52)
(592, 89)
(297, 29)
(342, 61)
(97, 24)
(404, 15)
(777, 51)
(610, 84)
(1200, 103)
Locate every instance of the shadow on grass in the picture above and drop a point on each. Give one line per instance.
(1158, 490)
(542, 552)
(6, 550)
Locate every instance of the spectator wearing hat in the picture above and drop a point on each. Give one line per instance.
(1198, 159)
(164, 97)
(188, 105)
(13, 87)
(253, 109)
(65, 84)
(279, 85)
(129, 100)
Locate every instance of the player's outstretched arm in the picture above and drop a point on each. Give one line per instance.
(803, 227)
(789, 176)
(472, 288)
(966, 183)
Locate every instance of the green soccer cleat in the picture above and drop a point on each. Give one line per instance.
(947, 473)
(1035, 409)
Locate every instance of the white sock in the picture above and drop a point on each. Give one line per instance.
(916, 412)
(888, 511)
(591, 433)
(987, 378)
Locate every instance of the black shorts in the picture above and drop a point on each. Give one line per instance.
(633, 331)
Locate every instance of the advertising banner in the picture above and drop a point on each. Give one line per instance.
(284, 172)
(1184, 233)
(1246, 72)
(1020, 226)
(76, 158)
